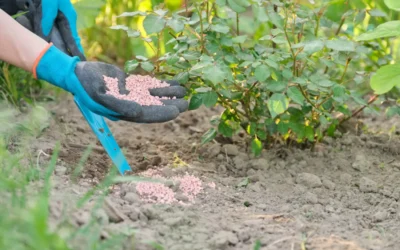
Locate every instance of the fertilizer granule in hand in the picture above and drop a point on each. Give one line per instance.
(139, 89)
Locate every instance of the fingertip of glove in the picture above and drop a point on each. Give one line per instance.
(181, 104)
(173, 82)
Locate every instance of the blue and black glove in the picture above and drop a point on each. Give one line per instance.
(55, 21)
(45, 17)
(85, 81)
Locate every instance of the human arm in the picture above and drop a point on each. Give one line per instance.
(18, 46)
(82, 79)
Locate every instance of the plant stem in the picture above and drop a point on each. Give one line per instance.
(274, 45)
(237, 24)
(340, 26)
(201, 29)
(208, 15)
(357, 111)
(159, 36)
(317, 27)
(306, 96)
(345, 69)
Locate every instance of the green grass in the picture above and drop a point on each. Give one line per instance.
(25, 190)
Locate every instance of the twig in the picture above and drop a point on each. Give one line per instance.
(345, 68)
(357, 111)
(279, 241)
(340, 26)
(38, 157)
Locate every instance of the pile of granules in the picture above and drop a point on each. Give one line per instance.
(155, 193)
(138, 87)
(188, 185)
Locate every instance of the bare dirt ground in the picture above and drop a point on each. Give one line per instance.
(344, 195)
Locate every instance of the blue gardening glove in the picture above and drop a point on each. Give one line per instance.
(85, 81)
(45, 16)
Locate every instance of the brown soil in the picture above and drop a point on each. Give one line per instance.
(344, 195)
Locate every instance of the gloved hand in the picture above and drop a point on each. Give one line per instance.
(48, 16)
(85, 81)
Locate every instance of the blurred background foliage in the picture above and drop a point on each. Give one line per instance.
(95, 17)
(102, 43)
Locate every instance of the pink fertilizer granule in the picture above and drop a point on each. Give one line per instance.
(190, 186)
(212, 185)
(138, 87)
(152, 173)
(155, 193)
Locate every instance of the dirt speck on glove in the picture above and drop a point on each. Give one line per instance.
(139, 89)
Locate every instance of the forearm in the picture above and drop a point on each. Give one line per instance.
(18, 46)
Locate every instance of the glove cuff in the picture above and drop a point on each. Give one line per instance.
(54, 66)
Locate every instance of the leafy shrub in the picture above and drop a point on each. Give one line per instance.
(387, 78)
(291, 73)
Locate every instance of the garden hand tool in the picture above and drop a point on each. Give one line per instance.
(85, 81)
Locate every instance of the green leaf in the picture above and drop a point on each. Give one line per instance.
(313, 46)
(172, 60)
(87, 11)
(209, 136)
(119, 27)
(176, 24)
(309, 133)
(376, 13)
(133, 33)
(153, 24)
(387, 29)
(271, 63)
(277, 104)
(214, 74)
(386, 78)
(340, 45)
(182, 77)
(262, 134)
(262, 73)
(260, 14)
(256, 146)
(325, 83)
(236, 7)
(141, 58)
(345, 110)
(393, 4)
(210, 99)
(134, 13)
(257, 245)
(276, 19)
(239, 39)
(148, 66)
(244, 183)
(225, 129)
(391, 111)
(221, 3)
(360, 17)
(131, 65)
(276, 86)
(226, 41)
(295, 94)
(220, 28)
(251, 128)
(196, 101)
(161, 12)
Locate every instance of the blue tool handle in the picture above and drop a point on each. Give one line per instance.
(104, 135)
